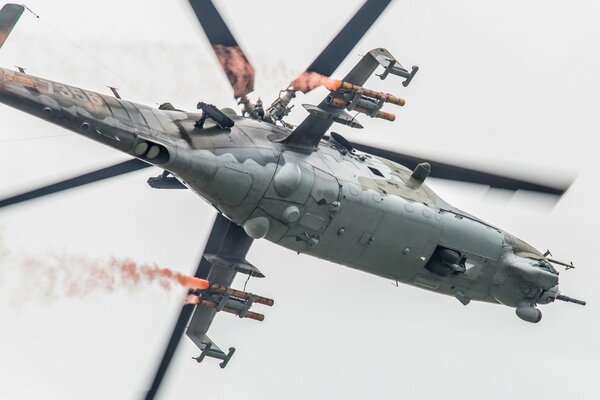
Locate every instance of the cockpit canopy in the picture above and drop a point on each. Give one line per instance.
(522, 248)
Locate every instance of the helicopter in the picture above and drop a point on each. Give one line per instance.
(323, 196)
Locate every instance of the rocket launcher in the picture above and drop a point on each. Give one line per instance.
(215, 288)
(361, 106)
(347, 87)
(358, 98)
(232, 301)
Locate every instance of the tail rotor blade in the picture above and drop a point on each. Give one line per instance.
(234, 62)
(9, 15)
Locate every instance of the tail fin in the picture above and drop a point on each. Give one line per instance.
(9, 15)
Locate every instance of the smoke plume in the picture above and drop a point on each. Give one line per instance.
(308, 81)
(62, 275)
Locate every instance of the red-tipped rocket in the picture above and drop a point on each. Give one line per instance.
(339, 102)
(220, 289)
(386, 97)
(193, 299)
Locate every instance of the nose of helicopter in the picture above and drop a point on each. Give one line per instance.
(549, 295)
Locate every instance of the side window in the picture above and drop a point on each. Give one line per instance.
(375, 171)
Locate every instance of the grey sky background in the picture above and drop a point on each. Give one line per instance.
(510, 85)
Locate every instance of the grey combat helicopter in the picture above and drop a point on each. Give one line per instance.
(305, 188)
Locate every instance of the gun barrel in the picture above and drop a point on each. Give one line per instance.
(568, 299)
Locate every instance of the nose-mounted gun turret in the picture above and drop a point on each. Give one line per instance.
(529, 279)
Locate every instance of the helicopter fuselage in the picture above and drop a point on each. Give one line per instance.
(332, 202)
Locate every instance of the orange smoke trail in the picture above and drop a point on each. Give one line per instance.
(59, 275)
(132, 272)
(308, 81)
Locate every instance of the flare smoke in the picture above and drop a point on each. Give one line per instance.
(308, 81)
(63, 275)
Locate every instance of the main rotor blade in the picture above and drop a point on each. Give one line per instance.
(90, 177)
(178, 330)
(457, 173)
(213, 244)
(337, 50)
(9, 15)
(236, 66)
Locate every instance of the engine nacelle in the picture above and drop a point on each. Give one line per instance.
(529, 313)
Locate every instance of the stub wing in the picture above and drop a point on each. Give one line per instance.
(227, 241)
(308, 134)
(224, 256)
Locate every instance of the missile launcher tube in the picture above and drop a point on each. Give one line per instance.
(249, 314)
(220, 289)
(337, 102)
(388, 98)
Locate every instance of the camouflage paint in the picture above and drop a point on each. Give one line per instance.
(347, 207)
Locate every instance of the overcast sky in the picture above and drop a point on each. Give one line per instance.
(509, 85)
